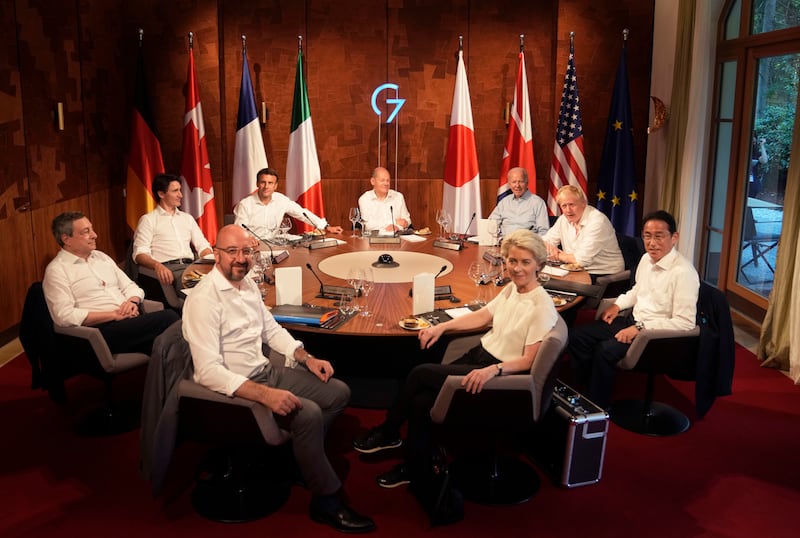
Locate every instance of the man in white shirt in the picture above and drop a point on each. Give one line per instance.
(83, 286)
(263, 210)
(225, 323)
(164, 237)
(664, 297)
(586, 236)
(382, 208)
(521, 209)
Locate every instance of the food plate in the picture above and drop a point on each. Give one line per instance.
(423, 231)
(414, 324)
(558, 301)
(574, 267)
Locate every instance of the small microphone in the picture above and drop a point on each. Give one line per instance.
(442, 270)
(394, 226)
(323, 241)
(464, 236)
(329, 292)
(272, 258)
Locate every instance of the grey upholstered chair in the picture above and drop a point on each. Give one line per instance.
(506, 404)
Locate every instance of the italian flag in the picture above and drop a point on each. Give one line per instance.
(303, 177)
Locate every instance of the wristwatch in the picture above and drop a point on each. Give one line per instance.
(639, 325)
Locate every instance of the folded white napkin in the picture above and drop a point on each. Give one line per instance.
(412, 238)
(555, 271)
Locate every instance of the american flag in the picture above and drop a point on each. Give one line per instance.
(568, 165)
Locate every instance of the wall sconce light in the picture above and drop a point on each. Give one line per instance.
(507, 113)
(264, 113)
(58, 116)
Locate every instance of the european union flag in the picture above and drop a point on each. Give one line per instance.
(616, 194)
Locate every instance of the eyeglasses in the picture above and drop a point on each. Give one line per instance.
(233, 252)
(658, 237)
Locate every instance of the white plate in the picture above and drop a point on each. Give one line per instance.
(421, 324)
(571, 267)
(558, 301)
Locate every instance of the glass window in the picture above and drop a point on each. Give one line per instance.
(771, 15)
(733, 21)
(770, 146)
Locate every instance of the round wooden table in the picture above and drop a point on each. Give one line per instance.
(388, 302)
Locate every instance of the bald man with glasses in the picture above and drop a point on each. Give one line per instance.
(225, 323)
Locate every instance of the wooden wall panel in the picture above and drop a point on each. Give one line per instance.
(15, 225)
(106, 51)
(50, 72)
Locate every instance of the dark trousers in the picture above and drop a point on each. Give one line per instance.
(322, 403)
(136, 335)
(594, 354)
(415, 399)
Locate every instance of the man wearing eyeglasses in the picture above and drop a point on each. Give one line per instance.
(225, 323)
(83, 286)
(664, 297)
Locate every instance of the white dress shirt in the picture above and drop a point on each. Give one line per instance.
(167, 237)
(376, 212)
(593, 242)
(665, 294)
(528, 212)
(225, 328)
(264, 219)
(73, 287)
(518, 320)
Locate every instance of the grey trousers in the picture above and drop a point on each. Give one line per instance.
(322, 403)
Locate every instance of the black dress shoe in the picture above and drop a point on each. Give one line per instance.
(339, 516)
(396, 476)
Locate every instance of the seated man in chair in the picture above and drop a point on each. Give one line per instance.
(664, 297)
(164, 237)
(225, 323)
(84, 286)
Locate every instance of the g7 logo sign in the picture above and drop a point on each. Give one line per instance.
(396, 101)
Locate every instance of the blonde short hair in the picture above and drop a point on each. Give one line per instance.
(526, 240)
(573, 190)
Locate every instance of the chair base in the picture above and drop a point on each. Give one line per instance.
(107, 420)
(235, 486)
(238, 502)
(661, 420)
(498, 481)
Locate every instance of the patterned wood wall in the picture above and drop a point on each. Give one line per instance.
(83, 55)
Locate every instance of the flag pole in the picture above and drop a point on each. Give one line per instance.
(571, 42)
(244, 44)
(625, 33)
(141, 35)
(191, 40)
(521, 42)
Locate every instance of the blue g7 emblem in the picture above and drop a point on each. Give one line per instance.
(396, 101)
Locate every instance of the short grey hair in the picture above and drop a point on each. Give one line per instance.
(62, 225)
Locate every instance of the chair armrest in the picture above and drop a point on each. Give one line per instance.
(272, 434)
(95, 339)
(149, 306)
(644, 337)
(607, 303)
(458, 346)
(452, 385)
(167, 289)
(622, 276)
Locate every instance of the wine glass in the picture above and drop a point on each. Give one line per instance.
(261, 271)
(493, 229)
(284, 227)
(346, 303)
(354, 216)
(446, 221)
(476, 272)
(367, 285)
(355, 277)
(439, 213)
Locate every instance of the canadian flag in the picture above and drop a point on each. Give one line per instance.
(196, 184)
(462, 195)
(519, 143)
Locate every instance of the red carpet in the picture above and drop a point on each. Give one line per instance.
(731, 475)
